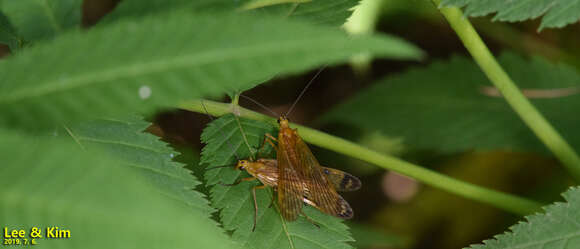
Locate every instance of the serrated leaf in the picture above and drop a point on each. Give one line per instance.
(557, 13)
(324, 12)
(42, 19)
(328, 12)
(123, 67)
(451, 106)
(225, 142)
(558, 227)
(53, 183)
(126, 141)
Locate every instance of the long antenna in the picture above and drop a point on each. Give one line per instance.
(260, 105)
(304, 90)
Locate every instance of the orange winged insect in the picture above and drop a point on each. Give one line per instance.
(267, 172)
(300, 176)
(297, 176)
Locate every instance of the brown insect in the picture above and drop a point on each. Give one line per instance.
(298, 178)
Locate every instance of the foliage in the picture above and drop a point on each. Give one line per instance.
(103, 203)
(140, 72)
(557, 13)
(328, 12)
(8, 34)
(229, 137)
(115, 186)
(557, 228)
(450, 106)
(126, 141)
(36, 20)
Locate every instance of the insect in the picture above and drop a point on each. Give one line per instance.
(297, 176)
(266, 171)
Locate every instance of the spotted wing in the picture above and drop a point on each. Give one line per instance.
(342, 181)
(290, 189)
(320, 189)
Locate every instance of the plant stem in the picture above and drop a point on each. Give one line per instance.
(362, 22)
(501, 200)
(521, 105)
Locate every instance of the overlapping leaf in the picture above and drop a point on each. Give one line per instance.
(36, 20)
(139, 65)
(8, 34)
(225, 141)
(126, 141)
(451, 106)
(558, 227)
(52, 182)
(557, 13)
(329, 12)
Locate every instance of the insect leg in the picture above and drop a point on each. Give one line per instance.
(238, 181)
(256, 204)
(262, 146)
(309, 220)
(268, 135)
(269, 138)
(273, 198)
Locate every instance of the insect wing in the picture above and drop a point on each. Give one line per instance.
(320, 189)
(290, 190)
(342, 181)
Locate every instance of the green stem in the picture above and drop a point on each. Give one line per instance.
(521, 105)
(362, 22)
(501, 200)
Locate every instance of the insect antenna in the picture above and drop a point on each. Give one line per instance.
(304, 90)
(260, 105)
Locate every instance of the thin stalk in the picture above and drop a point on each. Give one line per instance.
(498, 199)
(521, 105)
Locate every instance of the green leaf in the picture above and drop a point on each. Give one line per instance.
(329, 12)
(226, 141)
(41, 19)
(140, 8)
(324, 12)
(126, 141)
(369, 237)
(451, 106)
(50, 182)
(123, 67)
(557, 228)
(8, 34)
(557, 13)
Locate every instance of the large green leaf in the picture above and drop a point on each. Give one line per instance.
(50, 182)
(330, 12)
(449, 106)
(139, 65)
(558, 228)
(557, 13)
(40, 19)
(228, 134)
(126, 141)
